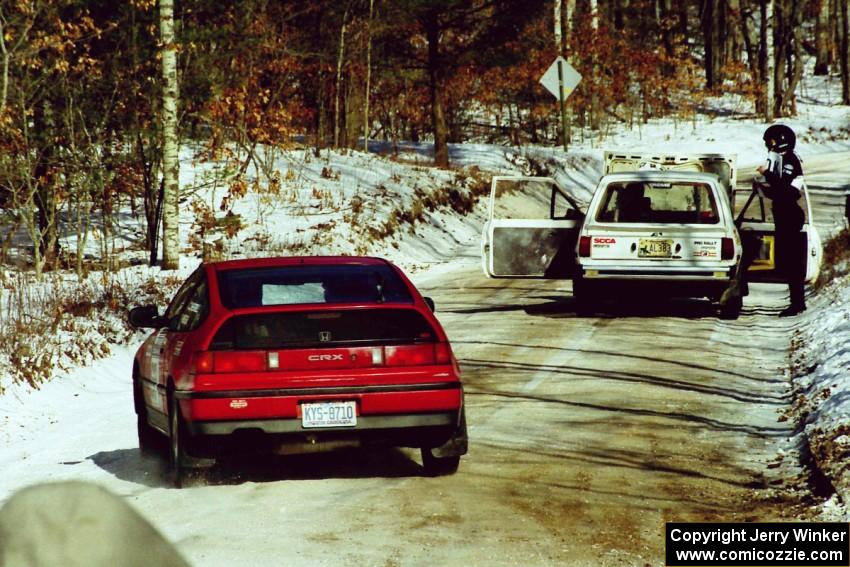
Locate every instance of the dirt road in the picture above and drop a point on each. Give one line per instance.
(598, 430)
(590, 433)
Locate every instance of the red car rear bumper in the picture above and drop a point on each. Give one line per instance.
(247, 405)
(438, 420)
(234, 421)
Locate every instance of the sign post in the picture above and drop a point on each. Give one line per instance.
(561, 79)
(561, 100)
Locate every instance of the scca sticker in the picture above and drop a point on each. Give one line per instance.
(603, 242)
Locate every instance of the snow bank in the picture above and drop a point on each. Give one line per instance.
(822, 387)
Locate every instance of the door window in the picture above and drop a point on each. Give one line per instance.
(195, 310)
(190, 305)
(533, 229)
(182, 294)
(532, 198)
(755, 207)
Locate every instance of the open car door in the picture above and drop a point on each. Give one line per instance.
(531, 231)
(754, 215)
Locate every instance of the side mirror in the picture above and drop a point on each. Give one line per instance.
(146, 316)
(430, 303)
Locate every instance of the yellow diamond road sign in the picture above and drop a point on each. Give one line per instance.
(571, 77)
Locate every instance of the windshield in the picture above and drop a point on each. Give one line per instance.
(658, 203)
(290, 285)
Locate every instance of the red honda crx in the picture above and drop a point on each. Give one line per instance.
(297, 354)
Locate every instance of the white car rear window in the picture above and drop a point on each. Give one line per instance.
(658, 203)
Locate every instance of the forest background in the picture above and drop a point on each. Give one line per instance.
(84, 105)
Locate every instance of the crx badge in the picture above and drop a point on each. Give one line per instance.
(324, 357)
(324, 336)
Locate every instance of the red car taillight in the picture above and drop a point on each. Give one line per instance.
(247, 361)
(417, 355)
(203, 362)
(727, 249)
(584, 247)
(442, 353)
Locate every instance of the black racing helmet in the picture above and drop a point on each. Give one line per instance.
(779, 138)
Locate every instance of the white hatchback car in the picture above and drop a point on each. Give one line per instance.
(657, 226)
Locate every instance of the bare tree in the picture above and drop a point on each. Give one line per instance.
(432, 27)
(22, 185)
(844, 49)
(340, 59)
(714, 31)
(835, 35)
(170, 162)
(767, 58)
(822, 38)
(6, 52)
(788, 52)
(594, 96)
(368, 76)
(735, 44)
(665, 27)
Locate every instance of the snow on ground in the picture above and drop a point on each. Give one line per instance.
(33, 423)
(822, 389)
(344, 202)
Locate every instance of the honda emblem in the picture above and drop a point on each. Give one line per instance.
(324, 336)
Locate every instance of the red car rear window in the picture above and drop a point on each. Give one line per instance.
(323, 328)
(292, 285)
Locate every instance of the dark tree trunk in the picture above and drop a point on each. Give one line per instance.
(795, 66)
(734, 42)
(747, 36)
(844, 50)
(45, 195)
(150, 193)
(822, 38)
(321, 115)
(618, 14)
(438, 115)
(707, 24)
(45, 203)
(753, 48)
(788, 53)
(666, 29)
(835, 35)
(714, 28)
(321, 80)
